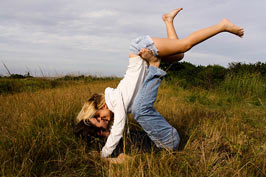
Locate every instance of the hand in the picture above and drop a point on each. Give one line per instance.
(118, 160)
(146, 54)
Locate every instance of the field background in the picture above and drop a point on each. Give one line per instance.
(219, 112)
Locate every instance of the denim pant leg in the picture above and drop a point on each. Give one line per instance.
(157, 128)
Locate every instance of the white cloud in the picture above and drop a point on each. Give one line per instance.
(99, 14)
(90, 35)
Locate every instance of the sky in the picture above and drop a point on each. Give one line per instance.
(91, 37)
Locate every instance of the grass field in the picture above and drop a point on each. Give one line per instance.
(222, 132)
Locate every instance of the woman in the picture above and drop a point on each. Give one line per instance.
(137, 91)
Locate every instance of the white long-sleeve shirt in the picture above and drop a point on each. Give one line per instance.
(120, 100)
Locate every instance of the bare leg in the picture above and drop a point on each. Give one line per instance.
(168, 20)
(171, 34)
(168, 47)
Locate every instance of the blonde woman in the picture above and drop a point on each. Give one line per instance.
(137, 91)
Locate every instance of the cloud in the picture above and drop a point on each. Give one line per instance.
(99, 14)
(88, 36)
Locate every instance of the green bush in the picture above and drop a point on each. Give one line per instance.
(214, 76)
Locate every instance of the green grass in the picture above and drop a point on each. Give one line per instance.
(222, 132)
(245, 84)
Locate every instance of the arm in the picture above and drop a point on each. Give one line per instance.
(116, 132)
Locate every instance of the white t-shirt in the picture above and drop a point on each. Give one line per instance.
(120, 100)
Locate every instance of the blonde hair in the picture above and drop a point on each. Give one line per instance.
(94, 103)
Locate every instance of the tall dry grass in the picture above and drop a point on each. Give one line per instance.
(245, 84)
(221, 135)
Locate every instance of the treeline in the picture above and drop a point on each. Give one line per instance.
(20, 83)
(238, 78)
(212, 75)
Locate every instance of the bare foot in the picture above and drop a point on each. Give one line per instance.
(232, 28)
(169, 17)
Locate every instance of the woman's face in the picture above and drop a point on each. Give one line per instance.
(101, 118)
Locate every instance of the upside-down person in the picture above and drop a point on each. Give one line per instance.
(137, 91)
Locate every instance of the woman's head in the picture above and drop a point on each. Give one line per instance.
(95, 111)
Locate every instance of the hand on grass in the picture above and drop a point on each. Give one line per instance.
(118, 160)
